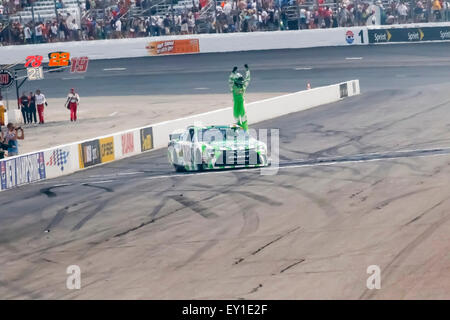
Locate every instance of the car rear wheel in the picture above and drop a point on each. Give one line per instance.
(179, 168)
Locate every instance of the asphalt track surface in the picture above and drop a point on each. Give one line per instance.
(361, 182)
(378, 67)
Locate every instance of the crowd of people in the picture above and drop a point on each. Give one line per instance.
(227, 16)
(32, 106)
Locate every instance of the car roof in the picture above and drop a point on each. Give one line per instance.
(210, 127)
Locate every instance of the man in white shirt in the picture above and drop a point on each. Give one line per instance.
(27, 34)
(118, 26)
(402, 10)
(74, 30)
(40, 101)
(73, 99)
(38, 32)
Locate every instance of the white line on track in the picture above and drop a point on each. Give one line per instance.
(73, 78)
(99, 182)
(113, 114)
(61, 185)
(129, 173)
(114, 69)
(201, 88)
(353, 58)
(303, 68)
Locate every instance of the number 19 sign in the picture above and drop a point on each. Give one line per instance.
(79, 64)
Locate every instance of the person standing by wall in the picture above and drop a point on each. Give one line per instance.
(72, 102)
(32, 108)
(24, 102)
(11, 137)
(40, 101)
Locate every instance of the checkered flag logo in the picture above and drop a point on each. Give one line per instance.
(58, 158)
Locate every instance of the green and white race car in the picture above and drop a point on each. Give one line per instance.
(215, 147)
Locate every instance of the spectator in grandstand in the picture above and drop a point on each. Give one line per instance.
(402, 10)
(38, 32)
(24, 102)
(118, 28)
(40, 102)
(27, 34)
(436, 8)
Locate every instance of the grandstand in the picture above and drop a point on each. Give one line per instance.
(44, 10)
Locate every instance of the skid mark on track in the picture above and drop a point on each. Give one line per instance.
(98, 187)
(57, 218)
(425, 212)
(256, 288)
(143, 224)
(95, 210)
(268, 244)
(403, 254)
(195, 206)
(258, 197)
(386, 202)
(292, 265)
(48, 191)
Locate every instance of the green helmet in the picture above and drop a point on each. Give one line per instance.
(239, 80)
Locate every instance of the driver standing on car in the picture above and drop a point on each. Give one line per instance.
(238, 84)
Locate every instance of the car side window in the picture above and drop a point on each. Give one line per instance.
(191, 135)
(184, 136)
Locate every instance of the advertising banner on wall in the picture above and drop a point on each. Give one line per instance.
(89, 153)
(127, 144)
(60, 161)
(409, 34)
(156, 48)
(146, 139)
(22, 170)
(106, 149)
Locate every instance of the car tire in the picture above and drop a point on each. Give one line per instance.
(179, 168)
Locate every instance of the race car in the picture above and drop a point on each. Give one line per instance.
(215, 147)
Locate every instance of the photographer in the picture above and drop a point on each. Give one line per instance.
(9, 141)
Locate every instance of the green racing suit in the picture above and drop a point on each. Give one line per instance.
(238, 97)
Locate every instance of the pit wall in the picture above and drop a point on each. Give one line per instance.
(211, 43)
(65, 159)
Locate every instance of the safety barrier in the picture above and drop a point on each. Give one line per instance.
(69, 158)
(210, 43)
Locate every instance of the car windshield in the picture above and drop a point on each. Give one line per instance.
(222, 134)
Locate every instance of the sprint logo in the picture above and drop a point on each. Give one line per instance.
(444, 35)
(415, 36)
(382, 37)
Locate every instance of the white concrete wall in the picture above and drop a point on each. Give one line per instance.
(66, 159)
(209, 43)
(131, 48)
